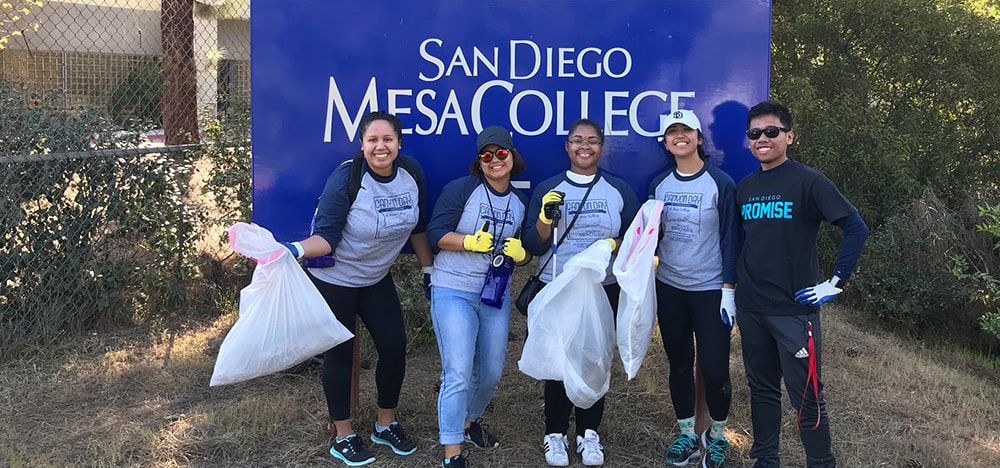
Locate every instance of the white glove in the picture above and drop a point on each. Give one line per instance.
(820, 294)
(728, 307)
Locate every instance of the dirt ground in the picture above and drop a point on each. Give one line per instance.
(141, 399)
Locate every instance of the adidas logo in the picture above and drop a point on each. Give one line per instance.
(802, 354)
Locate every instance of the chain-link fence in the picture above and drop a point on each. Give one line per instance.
(99, 139)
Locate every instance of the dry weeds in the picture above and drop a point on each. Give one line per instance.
(145, 401)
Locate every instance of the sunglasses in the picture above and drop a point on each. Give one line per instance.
(769, 131)
(487, 156)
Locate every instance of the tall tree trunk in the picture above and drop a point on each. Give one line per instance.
(180, 84)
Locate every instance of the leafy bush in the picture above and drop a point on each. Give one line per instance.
(35, 121)
(909, 277)
(986, 290)
(136, 100)
(891, 99)
(227, 148)
(88, 239)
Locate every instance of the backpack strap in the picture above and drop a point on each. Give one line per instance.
(354, 181)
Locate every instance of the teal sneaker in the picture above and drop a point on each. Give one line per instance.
(682, 451)
(396, 439)
(352, 451)
(715, 451)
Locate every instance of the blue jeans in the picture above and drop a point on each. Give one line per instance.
(472, 341)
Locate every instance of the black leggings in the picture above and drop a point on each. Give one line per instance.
(558, 406)
(378, 307)
(681, 313)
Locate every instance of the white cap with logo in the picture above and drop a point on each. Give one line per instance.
(682, 116)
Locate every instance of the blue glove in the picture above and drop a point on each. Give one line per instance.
(820, 294)
(728, 307)
(428, 270)
(295, 248)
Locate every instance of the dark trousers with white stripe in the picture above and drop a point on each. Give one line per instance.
(776, 347)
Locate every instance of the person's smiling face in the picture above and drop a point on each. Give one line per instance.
(771, 152)
(380, 145)
(584, 149)
(682, 141)
(496, 169)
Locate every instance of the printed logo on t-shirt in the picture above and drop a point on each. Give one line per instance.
(396, 214)
(681, 216)
(495, 216)
(594, 221)
(766, 207)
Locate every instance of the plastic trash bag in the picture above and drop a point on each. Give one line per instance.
(571, 329)
(283, 318)
(635, 272)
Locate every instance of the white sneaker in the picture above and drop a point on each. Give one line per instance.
(555, 446)
(589, 447)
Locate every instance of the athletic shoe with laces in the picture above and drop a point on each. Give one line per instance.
(683, 450)
(458, 461)
(394, 437)
(476, 435)
(352, 451)
(715, 450)
(555, 446)
(590, 449)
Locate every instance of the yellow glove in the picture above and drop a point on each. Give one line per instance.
(614, 245)
(553, 196)
(481, 241)
(512, 248)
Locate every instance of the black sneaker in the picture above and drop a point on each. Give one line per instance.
(352, 451)
(476, 435)
(396, 439)
(683, 450)
(766, 463)
(458, 461)
(715, 451)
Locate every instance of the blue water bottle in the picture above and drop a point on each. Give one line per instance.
(497, 279)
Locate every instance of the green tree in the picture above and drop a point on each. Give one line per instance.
(895, 100)
(892, 96)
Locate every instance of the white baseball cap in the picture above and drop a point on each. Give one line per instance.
(682, 116)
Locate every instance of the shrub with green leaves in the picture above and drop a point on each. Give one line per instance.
(910, 275)
(892, 98)
(88, 239)
(986, 285)
(227, 148)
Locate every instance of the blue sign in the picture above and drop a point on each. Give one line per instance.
(448, 68)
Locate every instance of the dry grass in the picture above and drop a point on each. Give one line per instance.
(145, 401)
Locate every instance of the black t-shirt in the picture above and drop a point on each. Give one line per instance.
(781, 210)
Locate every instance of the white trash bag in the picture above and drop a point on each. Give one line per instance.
(571, 329)
(283, 318)
(635, 272)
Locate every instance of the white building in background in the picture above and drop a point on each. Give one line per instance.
(88, 47)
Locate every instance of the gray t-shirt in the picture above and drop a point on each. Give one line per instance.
(699, 242)
(367, 236)
(606, 213)
(464, 205)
